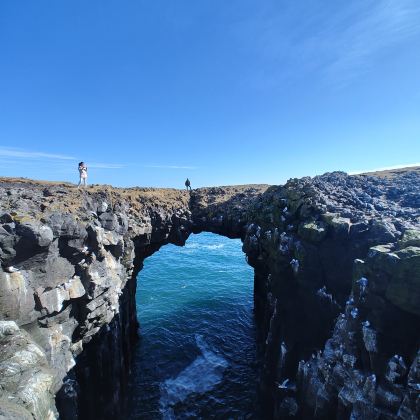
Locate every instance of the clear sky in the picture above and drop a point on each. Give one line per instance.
(224, 92)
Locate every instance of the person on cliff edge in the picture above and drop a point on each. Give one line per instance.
(83, 174)
(188, 184)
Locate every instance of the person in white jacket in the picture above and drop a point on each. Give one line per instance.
(83, 174)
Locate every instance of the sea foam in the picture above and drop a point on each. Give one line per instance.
(201, 376)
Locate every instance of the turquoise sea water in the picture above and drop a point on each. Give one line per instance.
(196, 357)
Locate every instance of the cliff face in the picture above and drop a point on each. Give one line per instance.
(67, 288)
(337, 290)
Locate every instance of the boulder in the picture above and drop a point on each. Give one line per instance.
(102, 207)
(410, 237)
(37, 234)
(109, 221)
(7, 246)
(52, 300)
(382, 232)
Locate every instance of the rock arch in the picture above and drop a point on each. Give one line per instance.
(334, 256)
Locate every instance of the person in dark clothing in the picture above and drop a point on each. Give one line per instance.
(188, 184)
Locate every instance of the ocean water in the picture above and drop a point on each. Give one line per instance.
(197, 354)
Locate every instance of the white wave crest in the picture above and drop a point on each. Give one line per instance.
(213, 246)
(202, 375)
(200, 246)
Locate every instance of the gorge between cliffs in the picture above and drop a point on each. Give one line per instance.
(336, 262)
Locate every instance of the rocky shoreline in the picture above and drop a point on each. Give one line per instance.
(337, 290)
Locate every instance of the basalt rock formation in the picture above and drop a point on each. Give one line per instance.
(337, 290)
(67, 285)
(338, 259)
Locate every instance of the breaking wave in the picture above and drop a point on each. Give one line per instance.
(201, 376)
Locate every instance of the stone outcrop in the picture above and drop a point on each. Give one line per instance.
(337, 296)
(67, 285)
(338, 261)
(336, 291)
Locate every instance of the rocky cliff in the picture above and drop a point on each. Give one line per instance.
(67, 285)
(337, 290)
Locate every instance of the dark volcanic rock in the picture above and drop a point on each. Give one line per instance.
(324, 251)
(337, 292)
(67, 285)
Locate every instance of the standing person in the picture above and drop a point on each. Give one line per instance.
(83, 174)
(188, 184)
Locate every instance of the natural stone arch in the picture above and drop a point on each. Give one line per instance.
(320, 225)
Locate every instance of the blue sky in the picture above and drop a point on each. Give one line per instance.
(224, 92)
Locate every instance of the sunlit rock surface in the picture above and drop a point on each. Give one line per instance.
(337, 294)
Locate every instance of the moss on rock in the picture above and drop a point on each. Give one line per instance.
(314, 231)
(411, 237)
